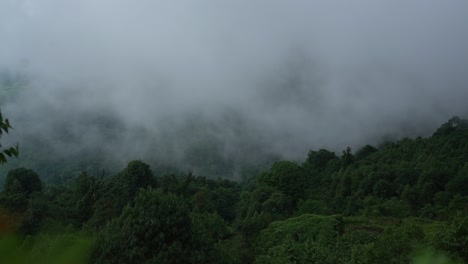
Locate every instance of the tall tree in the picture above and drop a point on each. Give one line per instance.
(156, 228)
(22, 180)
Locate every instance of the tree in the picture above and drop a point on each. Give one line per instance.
(156, 228)
(120, 190)
(86, 191)
(450, 126)
(347, 157)
(7, 152)
(23, 198)
(319, 159)
(453, 239)
(365, 151)
(22, 181)
(383, 188)
(304, 239)
(287, 177)
(137, 175)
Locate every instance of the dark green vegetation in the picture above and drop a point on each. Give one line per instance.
(10, 151)
(401, 202)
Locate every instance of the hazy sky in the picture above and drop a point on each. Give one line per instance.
(273, 76)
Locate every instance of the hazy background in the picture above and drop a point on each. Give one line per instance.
(200, 83)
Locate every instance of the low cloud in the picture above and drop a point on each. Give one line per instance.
(162, 80)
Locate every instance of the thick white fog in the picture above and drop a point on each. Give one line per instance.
(163, 79)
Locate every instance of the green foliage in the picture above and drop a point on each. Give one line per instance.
(155, 228)
(451, 126)
(211, 226)
(453, 239)
(394, 245)
(347, 158)
(7, 152)
(304, 239)
(252, 225)
(107, 199)
(430, 257)
(45, 249)
(459, 204)
(383, 188)
(396, 200)
(313, 207)
(135, 176)
(319, 159)
(459, 183)
(22, 181)
(22, 198)
(365, 151)
(287, 177)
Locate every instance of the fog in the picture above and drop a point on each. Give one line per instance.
(170, 80)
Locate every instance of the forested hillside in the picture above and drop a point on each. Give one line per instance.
(233, 131)
(399, 202)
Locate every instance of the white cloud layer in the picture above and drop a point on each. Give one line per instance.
(283, 76)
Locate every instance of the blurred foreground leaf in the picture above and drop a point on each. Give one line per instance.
(430, 257)
(67, 248)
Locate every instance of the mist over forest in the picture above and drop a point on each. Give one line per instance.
(205, 84)
(256, 132)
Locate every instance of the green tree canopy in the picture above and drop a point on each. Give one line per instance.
(319, 159)
(287, 177)
(136, 175)
(23, 181)
(365, 151)
(156, 228)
